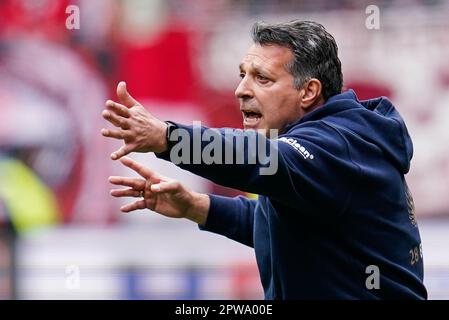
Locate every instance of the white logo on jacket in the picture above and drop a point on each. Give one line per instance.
(298, 147)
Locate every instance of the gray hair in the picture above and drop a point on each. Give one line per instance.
(314, 49)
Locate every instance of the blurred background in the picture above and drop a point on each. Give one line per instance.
(61, 234)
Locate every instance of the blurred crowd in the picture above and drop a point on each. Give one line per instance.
(179, 59)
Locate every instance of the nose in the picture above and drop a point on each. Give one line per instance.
(243, 90)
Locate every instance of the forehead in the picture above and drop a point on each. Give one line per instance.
(267, 56)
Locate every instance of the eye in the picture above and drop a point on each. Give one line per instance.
(242, 75)
(262, 79)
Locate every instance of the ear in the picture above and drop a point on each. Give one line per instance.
(311, 93)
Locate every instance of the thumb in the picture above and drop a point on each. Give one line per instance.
(170, 186)
(124, 96)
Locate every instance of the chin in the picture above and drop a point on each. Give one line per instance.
(252, 127)
(261, 130)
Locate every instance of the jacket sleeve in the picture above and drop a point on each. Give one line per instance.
(232, 218)
(309, 168)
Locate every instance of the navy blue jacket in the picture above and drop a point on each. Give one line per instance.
(336, 211)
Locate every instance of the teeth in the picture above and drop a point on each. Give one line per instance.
(251, 118)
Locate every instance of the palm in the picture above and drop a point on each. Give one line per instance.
(173, 202)
(171, 205)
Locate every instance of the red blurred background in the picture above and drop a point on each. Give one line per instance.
(179, 58)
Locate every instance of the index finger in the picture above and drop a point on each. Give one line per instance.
(140, 169)
(118, 108)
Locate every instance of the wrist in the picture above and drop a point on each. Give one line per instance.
(169, 139)
(163, 146)
(199, 208)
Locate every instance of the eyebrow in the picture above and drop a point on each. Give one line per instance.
(256, 68)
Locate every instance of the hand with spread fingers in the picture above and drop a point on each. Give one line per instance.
(138, 128)
(164, 195)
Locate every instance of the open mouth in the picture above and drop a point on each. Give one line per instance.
(251, 119)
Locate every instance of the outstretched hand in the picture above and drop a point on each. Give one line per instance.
(164, 195)
(138, 128)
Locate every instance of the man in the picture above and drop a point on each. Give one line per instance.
(336, 219)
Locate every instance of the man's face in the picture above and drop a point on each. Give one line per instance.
(268, 98)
